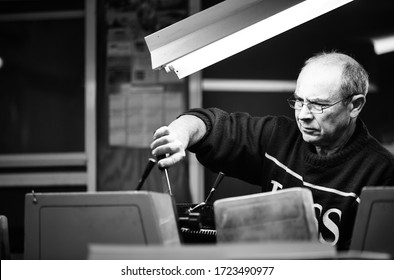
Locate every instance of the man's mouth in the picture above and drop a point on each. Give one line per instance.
(308, 130)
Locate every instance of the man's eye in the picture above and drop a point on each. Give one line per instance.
(317, 104)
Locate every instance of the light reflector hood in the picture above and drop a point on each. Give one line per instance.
(226, 29)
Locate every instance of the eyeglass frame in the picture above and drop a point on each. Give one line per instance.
(292, 103)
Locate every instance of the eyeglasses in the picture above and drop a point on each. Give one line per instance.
(313, 107)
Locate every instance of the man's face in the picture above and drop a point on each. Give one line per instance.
(320, 84)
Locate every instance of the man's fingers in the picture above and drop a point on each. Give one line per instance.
(164, 143)
(173, 150)
(171, 160)
(163, 146)
(160, 132)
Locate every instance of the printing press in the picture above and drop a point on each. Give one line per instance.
(196, 222)
(272, 216)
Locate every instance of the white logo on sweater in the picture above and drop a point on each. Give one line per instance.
(329, 223)
(329, 218)
(276, 185)
(326, 219)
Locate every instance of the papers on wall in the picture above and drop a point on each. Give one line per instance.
(137, 111)
(140, 99)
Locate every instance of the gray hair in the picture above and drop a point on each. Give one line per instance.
(354, 77)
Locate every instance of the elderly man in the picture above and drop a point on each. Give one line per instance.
(326, 149)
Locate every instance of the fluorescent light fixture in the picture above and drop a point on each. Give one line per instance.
(226, 29)
(384, 44)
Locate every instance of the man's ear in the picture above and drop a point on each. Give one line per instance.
(357, 103)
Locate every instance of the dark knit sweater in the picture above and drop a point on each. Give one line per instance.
(269, 151)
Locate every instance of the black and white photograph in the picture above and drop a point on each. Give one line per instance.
(185, 139)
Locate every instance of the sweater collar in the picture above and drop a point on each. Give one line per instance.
(355, 144)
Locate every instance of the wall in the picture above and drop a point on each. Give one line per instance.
(126, 73)
(41, 100)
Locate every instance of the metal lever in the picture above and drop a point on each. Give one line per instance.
(166, 178)
(219, 178)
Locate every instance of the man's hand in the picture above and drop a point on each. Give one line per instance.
(167, 142)
(173, 140)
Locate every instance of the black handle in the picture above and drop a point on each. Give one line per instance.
(146, 173)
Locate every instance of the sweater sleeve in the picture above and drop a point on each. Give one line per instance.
(235, 143)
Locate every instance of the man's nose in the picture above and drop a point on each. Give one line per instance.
(305, 113)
